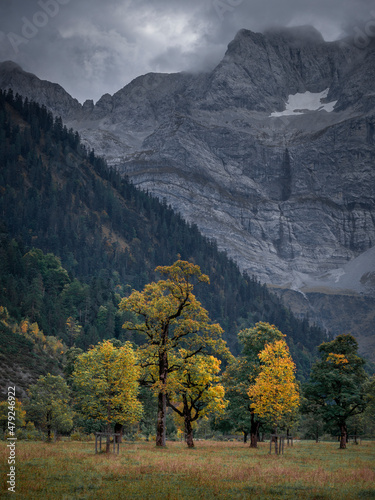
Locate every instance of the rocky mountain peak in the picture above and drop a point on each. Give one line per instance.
(271, 153)
(296, 35)
(267, 68)
(52, 95)
(8, 66)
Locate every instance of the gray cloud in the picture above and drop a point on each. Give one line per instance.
(92, 47)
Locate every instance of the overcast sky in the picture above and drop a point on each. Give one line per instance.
(92, 47)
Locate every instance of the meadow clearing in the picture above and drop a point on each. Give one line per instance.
(212, 470)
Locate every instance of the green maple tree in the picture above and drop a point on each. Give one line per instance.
(337, 387)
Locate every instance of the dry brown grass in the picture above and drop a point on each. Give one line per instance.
(70, 470)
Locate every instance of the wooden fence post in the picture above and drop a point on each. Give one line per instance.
(107, 435)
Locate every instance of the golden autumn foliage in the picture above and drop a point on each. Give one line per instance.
(170, 313)
(337, 359)
(170, 316)
(46, 344)
(106, 382)
(274, 394)
(198, 379)
(20, 415)
(194, 390)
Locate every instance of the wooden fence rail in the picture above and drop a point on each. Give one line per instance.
(116, 437)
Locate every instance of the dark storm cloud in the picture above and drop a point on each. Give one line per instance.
(91, 47)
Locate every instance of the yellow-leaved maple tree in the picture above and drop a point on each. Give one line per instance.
(106, 382)
(275, 392)
(170, 316)
(195, 391)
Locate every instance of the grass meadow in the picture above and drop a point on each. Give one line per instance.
(213, 470)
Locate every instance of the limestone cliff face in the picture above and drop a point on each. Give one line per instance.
(272, 153)
(287, 191)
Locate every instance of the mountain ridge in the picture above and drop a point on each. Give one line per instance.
(75, 238)
(289, 198)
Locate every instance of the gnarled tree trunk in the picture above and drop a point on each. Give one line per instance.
(188, 423)
(254, 430)
(161, 427)
(118, 430)
(188, 432)
(343, 435)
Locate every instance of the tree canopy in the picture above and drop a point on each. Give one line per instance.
(242, 372)
(170, 316)
(105, 379)
(19, 415)
(275, 393)
(337, 390)
(194, 391)
(49, 405)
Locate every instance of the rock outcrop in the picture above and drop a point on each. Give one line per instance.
(52, 95)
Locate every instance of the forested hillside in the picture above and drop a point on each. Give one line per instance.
(76, 237)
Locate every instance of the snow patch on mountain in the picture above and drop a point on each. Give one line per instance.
(299, 103)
